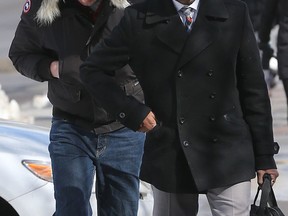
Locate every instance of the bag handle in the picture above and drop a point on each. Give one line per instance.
(267, 195)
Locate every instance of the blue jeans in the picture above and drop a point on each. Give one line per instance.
(76, 154)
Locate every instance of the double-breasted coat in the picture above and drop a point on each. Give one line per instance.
(205, 87)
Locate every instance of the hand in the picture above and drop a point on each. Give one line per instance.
(149, 123)
(54, 68)
(272, 172)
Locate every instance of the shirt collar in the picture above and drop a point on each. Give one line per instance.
(178, 5)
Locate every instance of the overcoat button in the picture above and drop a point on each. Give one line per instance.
(180, 74)
(122, 115)
(215, 139)
(210, 73)
(212, 118)
(276, 148)
(213, 95)
(181, 120)
(186, 143)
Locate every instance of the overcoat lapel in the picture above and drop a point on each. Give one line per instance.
(205, 30)
(173, 34)
(170, 30)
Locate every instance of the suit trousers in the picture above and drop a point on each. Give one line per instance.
(225, 201)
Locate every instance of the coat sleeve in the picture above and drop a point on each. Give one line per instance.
(254, 98)
(26, 52)
(98, 73)
(282, 44)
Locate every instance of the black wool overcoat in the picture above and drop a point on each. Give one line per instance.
(205, 87)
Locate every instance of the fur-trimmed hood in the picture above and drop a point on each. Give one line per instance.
(49, 10)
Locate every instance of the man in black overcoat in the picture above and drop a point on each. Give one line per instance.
(207, 112)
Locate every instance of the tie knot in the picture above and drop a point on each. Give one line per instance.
(187, 11)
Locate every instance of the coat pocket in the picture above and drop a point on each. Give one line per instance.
(134, 89)
(64, 91)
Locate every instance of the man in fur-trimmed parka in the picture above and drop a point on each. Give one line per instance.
(51, 40)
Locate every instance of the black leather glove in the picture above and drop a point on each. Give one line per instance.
(69, 69)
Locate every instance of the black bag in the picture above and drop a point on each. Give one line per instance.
(268, 205)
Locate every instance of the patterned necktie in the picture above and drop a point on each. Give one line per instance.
(188, 17)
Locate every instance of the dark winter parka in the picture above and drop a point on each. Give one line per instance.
(206, 89)
(65, 30)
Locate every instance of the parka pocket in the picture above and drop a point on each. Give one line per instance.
(134, 89)
(64, 91)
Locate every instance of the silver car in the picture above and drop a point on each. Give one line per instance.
(26, 187)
